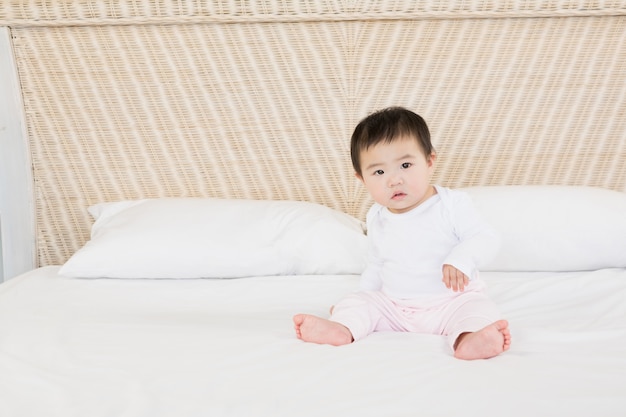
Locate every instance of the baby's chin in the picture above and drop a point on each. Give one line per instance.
(401, 208)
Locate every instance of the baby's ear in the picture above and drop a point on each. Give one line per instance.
(432, 158)
(359, 176)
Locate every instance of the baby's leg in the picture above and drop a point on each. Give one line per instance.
(352, 318)
(485, 343)
(318, 330)
(474, 327)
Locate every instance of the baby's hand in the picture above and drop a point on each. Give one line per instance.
(454, 279)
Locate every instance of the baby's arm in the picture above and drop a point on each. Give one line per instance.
(478, 243)
(370, 278)
(454, 278)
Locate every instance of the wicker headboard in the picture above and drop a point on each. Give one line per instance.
(134, 99)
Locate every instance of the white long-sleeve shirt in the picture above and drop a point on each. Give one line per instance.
(408, 250)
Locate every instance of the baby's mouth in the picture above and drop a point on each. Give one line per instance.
(398, 195)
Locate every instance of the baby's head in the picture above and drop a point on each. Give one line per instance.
(386, 126)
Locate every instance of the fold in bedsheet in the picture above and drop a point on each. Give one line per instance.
(77, 347)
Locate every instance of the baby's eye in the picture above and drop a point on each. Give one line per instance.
(379, 172)
(406, 165)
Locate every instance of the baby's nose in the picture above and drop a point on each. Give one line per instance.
(395, 180)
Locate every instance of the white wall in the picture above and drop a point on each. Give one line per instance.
(17, 239)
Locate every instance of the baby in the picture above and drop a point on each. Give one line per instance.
(426, 243)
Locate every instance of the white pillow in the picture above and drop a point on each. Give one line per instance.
(218, 238)
(554, 228)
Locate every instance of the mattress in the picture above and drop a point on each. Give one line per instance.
(226, 347)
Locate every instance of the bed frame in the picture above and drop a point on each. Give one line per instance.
(110, 100)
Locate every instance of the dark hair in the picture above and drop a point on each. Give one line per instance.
(387, 125)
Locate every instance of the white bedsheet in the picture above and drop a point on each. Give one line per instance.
(79, 347)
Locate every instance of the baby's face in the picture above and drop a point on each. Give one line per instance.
(397, 174)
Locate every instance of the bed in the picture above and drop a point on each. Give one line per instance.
(188, 190)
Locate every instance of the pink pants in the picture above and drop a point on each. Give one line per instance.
(372, 311)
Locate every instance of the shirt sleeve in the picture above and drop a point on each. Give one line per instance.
(370, 277)
(478, 241)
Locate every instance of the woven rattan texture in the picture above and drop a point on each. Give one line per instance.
(265, 110)
(116, 12)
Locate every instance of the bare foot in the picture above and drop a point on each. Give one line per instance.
(318, 330)
(487, 342)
